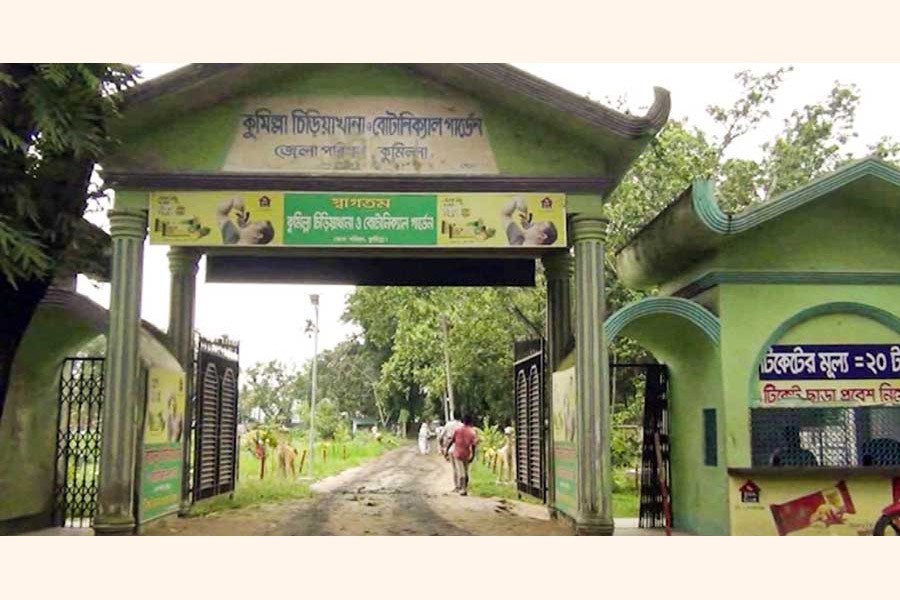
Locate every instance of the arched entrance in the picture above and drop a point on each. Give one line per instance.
(368, 174)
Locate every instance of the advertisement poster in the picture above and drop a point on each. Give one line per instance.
(565, 462)
(341, 220)
(376, 135)
(829, 375)
(809, 506)
(162, 449)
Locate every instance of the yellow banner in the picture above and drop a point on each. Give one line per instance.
(502, 220)
(217, 218)
(164, 420)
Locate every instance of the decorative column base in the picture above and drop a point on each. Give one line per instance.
(594, 526)
(109, 527)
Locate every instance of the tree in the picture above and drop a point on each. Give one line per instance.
(404, 324)
(54, 122)
(270, 387)
(811, 142)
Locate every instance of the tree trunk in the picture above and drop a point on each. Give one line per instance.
(18, 307)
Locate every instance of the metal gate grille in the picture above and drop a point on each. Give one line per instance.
(529, 411)
(78, 440)
(656, 420)
(215, 437)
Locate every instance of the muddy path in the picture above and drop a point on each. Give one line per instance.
(399, 493)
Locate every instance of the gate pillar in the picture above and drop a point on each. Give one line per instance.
(183, 292)
(558, 272)
(115, 495)
(592, 427)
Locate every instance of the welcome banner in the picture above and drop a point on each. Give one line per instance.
(336, 219)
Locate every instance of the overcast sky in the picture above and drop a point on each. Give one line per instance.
(277, 333)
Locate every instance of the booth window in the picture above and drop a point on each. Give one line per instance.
(710, 445)
(825, 437)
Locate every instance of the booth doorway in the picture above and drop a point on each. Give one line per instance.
(653, 471)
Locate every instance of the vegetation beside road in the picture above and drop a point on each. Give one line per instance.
(275, 487)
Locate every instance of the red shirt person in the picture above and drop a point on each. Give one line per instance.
(464, 442)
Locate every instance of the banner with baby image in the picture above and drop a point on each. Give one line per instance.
(478, 220)
(161, 467)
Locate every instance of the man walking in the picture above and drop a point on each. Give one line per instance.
(463, 453)
(445, 443)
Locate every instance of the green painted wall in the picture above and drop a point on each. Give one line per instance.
(28, 428)
(806, 240)
(199, 140)
(699, 492)
(751, 314)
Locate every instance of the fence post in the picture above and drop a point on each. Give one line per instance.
(302, 460)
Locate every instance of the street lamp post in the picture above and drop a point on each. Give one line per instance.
(314, 299)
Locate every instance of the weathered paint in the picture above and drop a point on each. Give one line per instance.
(28, 428)
(200, 140)
(699, 495)
(752, 314)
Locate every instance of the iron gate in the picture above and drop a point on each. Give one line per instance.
(528, 375)
(216, 449)
(78, 437)
(656, 420)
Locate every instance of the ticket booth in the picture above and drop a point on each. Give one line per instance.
(780, 327)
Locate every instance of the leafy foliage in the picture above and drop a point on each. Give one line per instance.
(53, 129)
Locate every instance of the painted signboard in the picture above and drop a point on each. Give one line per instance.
(829, 375)
(162, 447)
(781, 505)
(382, 135)
(564, 460)
(478, 220)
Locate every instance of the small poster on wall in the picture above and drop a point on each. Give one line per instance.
(161, 471)
(811, 506)
(565, 462)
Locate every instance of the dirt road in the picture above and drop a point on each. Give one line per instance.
(400, 493)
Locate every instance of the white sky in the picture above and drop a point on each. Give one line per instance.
(277, 332)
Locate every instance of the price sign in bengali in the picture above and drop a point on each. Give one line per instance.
(830, 375)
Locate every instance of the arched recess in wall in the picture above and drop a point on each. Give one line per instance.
(660, 324)
(879, 315)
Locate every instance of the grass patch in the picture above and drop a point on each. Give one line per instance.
(483, 482)
(626, 496)
(252, 491)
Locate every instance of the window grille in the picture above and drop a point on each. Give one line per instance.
(825, 437)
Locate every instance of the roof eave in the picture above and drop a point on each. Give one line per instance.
(694, 225)
(566, 109)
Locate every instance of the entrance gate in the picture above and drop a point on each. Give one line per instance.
(216, 450)
(78, 436)
(528, 375)
(656, 420)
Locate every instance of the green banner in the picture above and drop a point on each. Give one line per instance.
(360, 219)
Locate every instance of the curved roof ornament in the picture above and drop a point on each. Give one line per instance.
(694, 224)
